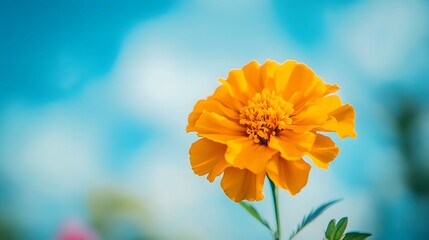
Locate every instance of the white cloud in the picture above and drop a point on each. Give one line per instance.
(383, 38)
(52, 148)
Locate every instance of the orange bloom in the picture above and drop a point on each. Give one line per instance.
(261, 121)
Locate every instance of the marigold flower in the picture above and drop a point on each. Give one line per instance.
(262, 121)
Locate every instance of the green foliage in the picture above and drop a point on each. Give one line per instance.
(252, 210)
(111, 210)
(330, 230)
(356, 236)
(9, 227)
(336, 231)
(341, 228)
(313, 215)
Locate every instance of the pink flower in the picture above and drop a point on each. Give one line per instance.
(75, 230)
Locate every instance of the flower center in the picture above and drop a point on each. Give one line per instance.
(266, 114)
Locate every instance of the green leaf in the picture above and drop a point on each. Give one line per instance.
(252, 210)
(311, 216)
(341, 228)
(330, 230)
(356, 236)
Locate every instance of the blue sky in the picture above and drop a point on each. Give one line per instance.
(97, 95)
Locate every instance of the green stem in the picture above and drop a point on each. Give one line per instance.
(274, 190)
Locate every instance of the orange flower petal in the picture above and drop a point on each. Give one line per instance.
(299, 81)
(310, 94)
(210, 106)
(345, 116)
(268, 74)
(292, 145)
(207, 157)
(237, 85)
(289, 175)
(218, 128)
(323, 151)
(304, 87)
(312, 117)
(222, 95)
(330, 103)
(330, 88)
(243, 153)
(251, 72)
(283, 74)
(242, 184)
(342, 121)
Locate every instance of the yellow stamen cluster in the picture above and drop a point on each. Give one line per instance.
(265, 114)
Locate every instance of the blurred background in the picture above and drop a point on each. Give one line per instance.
(94, 98)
